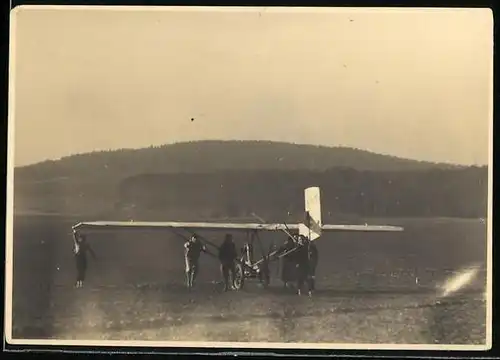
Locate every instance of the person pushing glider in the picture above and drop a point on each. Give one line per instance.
(192, 250)
(227, 258)
(80, 251)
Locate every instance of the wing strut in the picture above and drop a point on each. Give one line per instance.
(267, 257)
(193, 233)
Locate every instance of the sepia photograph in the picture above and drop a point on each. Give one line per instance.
(245, 177)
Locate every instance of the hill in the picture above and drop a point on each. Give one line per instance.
(208, 156)
(213, 179)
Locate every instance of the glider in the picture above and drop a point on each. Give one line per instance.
(312, 228)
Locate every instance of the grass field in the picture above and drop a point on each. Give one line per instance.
(372, 288)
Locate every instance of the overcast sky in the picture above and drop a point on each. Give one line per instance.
(414, 84)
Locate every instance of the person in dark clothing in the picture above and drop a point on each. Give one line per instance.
(287, 261)
(303, 265)
(80, 251)
(313, 263)
(227, 258)
(192, 251)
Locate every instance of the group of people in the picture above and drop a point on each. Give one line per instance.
(227, 257)
(298, 266)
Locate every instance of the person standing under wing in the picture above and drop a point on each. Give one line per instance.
(192, 251)
(287, 264)
(227, 258)
(313, 263)
(80, 251)
(303, 266)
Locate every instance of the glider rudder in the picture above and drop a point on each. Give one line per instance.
(311, 227)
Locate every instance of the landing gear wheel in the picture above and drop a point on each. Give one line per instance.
(239, 277)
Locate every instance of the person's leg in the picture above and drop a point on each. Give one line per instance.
(225, 276)
(232, 269)
(194, 273)
(82, 272)
(312, 286)
(309, 281)
(78, 271)
(188, 272)
(191, 276)
(301, 278)
(286, 273)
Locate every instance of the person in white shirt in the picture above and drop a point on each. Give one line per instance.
(192, 251)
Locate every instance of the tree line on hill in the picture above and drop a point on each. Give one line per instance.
(213, 179)
(430, 193)
(209, 156)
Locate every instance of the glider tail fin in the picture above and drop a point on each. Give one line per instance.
(311, 227)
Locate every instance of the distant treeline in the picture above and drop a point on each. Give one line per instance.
(213, 179)
(210, 156)
(422, 193)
